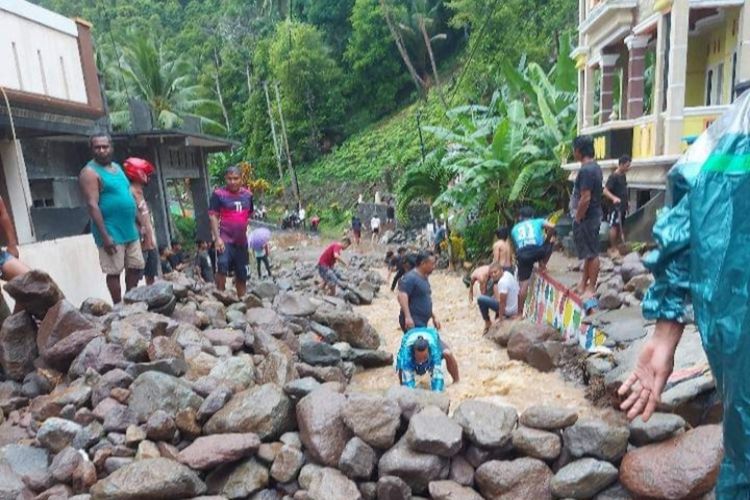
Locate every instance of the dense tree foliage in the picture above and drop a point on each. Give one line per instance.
(447, 70)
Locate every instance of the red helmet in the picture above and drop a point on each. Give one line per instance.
(138, 169)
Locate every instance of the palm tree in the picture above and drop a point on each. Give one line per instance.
(164, 83)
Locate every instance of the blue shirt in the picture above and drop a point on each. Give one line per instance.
(405, 359)
(528, 233)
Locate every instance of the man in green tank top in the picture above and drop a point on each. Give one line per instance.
(113, 213)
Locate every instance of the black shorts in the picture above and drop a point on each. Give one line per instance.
(151, 258)
(586, 238)
(376, 230)
(235, 258)
(530, 255)
(616, 218)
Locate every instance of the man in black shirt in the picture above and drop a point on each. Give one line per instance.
(586, 207)
(616, 191)
(415, 299)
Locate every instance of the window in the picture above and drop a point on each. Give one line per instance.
(719, 85)
(715, 85)
(709, 86)
(42, 193)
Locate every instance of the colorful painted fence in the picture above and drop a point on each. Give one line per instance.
(554, 304)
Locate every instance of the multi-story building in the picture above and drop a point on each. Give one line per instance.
(654, 74)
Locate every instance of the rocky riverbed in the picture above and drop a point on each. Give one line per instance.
(186, 392)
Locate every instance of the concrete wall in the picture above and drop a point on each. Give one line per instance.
(39, 52)
(73, 263)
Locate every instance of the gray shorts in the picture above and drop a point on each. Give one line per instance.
(586, 238)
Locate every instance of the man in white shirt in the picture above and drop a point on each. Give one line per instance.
(375, 227)
(502, 297)
(301, 214)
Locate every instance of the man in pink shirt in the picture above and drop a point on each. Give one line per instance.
(327, 261)
(230, 210)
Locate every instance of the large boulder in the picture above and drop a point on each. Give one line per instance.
(596, 438)
(358, 459)
(238, 480)
(331, 484)
(35, 292)
(265, 320)
(685, 466)
(432, 431)
(207, 452)
(11, 486)
(372, 418)
(486, 424)
(57, 433)
(294, 304)
(149, 479)
(60, 321)
(658, 428)
(413, 401)
(534, 443)
(62, 354)
(99, 356)
(264, 410)
(287, 464)
(415, 468)
(450, 490)
(535, 344)
(392, 488)
(519, 479)
(547, 417)
(321, 426)
(156, 296)
(153, 391)
(350, 327)
(319, 353)
(632, 267)
(583, 478)
(18, 348)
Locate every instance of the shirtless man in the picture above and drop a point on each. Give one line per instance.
(480, 275)
(501, 251)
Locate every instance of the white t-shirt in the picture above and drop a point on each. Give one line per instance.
(509, 285)
(301, 214)
(375, 223)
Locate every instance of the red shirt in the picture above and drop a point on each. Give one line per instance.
(328, 257)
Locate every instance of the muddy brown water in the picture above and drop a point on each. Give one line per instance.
(485, 370)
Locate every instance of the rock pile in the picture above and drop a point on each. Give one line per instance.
(185, 391)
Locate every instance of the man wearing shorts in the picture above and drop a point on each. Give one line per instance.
(113, 212)
(616, 190)
(375, 227)
(357, 229)
(327, 261)
(532, 247)
(230, 210)
(138, 171)
(586, 208)
(415, 299)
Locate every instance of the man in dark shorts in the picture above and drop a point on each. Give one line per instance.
(327, 261)
(357, 229)
(532, 247)
(586, 208)
(203, 262)
(616, 190)
(390, 214)
(400, 264)
(415, 299)
(230, 210)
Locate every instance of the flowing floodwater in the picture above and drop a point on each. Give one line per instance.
(485, 370)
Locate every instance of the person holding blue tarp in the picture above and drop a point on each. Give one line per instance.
(421, 352)
(701, 274)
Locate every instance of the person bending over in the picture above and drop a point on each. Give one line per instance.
(415, 299)
(421, 353)
(532, 246)
(328, 259)
(480, 275)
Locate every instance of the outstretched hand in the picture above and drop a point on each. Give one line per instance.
(655, 363)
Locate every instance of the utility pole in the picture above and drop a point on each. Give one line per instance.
(276, 148)
(292, 172)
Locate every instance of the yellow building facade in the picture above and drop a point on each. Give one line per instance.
(653, 74)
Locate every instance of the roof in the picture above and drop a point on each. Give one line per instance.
(194, 139)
